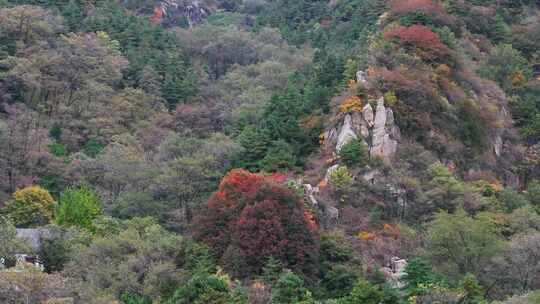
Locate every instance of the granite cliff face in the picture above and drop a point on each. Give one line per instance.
(385, 133)
(182, 13)
(377, 129)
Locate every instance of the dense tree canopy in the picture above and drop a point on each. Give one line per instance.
(270, 151)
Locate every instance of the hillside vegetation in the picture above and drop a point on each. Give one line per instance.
(271, 151)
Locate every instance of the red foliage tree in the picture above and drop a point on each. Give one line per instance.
(419, 39)
(250, 218)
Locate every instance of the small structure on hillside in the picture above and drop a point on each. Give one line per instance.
(33, 238)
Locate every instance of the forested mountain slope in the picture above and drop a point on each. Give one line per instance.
(270, 151)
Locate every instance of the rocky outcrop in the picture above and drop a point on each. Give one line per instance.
(370, 176)
(175, 12)
(329, 172)
(497, 145)
(361, 77)
(367, 112)
(377, 128)
(383, 142)
(346, 134)
(310, 193)
(395, 272)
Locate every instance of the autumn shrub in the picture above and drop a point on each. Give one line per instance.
(420, 40)
(353, 104)
(30, 206)
(251, 218)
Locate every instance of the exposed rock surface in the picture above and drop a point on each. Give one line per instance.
(361, 77)
(367, 112)
(497, 145)
(383, 144)
(172, 12)
(346, 134)
(395, 272)
(329, 172)
(377, 129)
(310, 194)
(370, 175)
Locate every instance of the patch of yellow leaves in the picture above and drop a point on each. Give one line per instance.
(353, 104)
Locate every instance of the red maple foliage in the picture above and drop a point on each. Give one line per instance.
(419, 39)
(251, 218)
(157, 17)
(279, 177)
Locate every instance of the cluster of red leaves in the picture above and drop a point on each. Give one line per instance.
(157, 17)
(420, 39)
(279, 177)
(252, 217)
